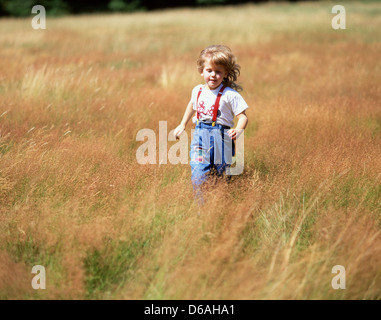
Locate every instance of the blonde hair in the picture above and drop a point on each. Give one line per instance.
(222, 56)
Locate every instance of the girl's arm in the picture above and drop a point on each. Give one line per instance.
(187, 116)
(241, 125)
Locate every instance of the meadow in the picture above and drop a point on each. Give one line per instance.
(74, 199)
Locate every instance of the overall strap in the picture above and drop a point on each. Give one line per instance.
(217, 105)
(198, 96)
(214, 107)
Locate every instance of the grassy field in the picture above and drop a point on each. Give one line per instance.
(74, 199)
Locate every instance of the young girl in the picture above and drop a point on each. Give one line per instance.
(216, 103)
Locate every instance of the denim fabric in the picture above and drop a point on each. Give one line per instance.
(211, 149)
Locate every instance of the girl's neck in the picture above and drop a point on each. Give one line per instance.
(207, 87)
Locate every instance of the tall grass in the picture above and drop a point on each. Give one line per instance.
(75, 200)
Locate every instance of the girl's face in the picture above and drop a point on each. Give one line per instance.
(213, 75)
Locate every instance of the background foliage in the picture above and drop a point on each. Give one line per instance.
(22, 8)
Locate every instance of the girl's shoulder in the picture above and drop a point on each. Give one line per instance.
(235, 100)
(230, 90)
(232, 93)
(196, 88)
(195, 91)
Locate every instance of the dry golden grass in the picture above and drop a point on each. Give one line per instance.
(75, 200)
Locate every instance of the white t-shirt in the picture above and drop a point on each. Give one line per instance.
(231, 104)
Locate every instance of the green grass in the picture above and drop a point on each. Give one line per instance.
(112, 266)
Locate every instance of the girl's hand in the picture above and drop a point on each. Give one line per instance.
(178, 131)
(232, 134)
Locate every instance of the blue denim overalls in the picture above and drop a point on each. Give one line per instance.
(211, 149)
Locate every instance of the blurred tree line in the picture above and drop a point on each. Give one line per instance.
(21, 8)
